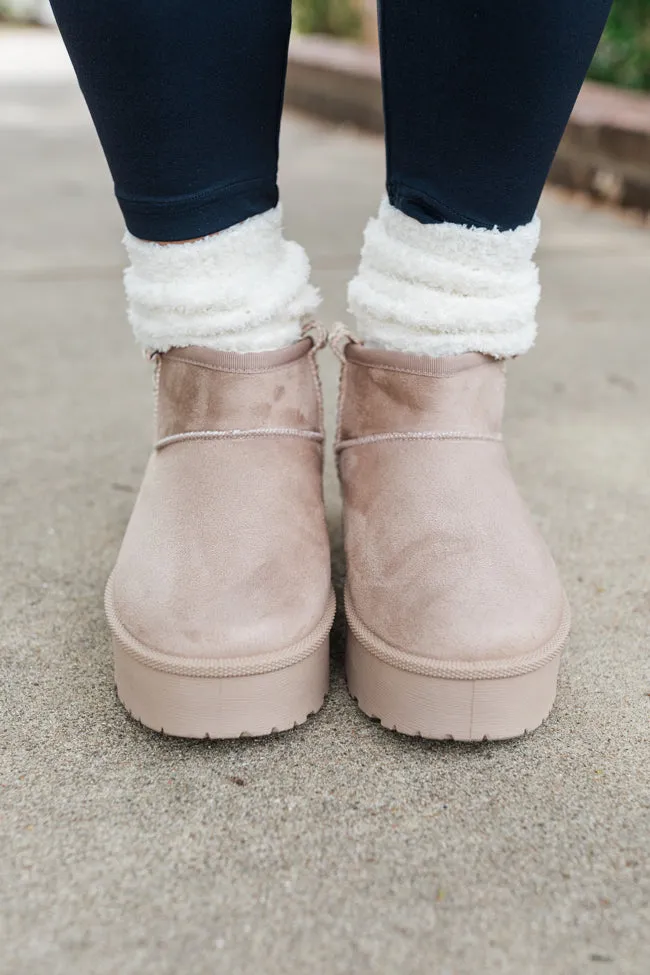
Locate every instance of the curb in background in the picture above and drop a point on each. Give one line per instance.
(605, 151)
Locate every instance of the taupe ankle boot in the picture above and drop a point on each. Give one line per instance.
(220, 604)
(456, 616)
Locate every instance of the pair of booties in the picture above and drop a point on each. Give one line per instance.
(220, 605)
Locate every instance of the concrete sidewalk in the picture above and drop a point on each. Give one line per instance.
(340, 847)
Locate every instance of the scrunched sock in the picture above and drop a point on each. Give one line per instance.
(445, 289)
(245, 289)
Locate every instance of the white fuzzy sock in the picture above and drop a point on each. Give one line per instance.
(444, 289)
(245, 289)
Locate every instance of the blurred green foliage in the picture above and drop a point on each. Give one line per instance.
(340, 18)
(623, 56)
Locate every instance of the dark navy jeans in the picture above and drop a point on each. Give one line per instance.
(187, 99)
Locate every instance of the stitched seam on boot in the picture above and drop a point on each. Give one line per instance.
(313, 366)
(247, 371)
(262, 663)
(458, 669)
(239, 435)
(417, 435)
(423, 372)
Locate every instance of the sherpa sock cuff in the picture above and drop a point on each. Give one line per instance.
(444, 289)
(245, 289)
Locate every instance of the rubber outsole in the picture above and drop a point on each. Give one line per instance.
(222, 707)
(449, 709)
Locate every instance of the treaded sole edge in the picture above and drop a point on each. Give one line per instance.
(222, 707)
(449, 709)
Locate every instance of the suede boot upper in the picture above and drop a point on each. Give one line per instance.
(447, 573)
(226, 556)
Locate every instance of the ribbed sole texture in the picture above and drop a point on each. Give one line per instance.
(222, 707)
(446, 709)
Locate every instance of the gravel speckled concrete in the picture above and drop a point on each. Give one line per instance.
(338, 848)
